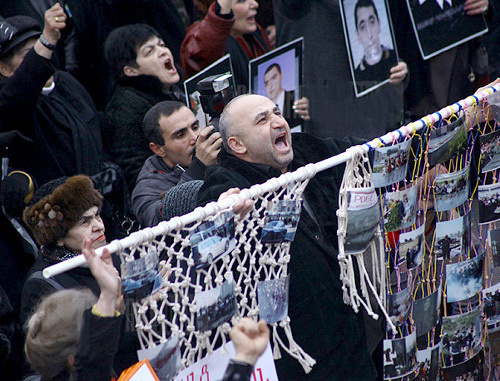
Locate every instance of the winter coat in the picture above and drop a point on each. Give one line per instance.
(208, 40)
(123, 135)
(155, 178)
(321, 323)
(36, 287)
(64, 125)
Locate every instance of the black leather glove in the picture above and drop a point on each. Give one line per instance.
(13, 192)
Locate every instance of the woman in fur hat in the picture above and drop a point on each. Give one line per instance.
(62, 214)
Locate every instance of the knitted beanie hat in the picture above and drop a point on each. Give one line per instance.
(58, 205)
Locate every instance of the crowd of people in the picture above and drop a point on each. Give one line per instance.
(95, 131)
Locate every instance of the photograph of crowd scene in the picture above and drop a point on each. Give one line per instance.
(469, 370)
(494, 243)
(490, 151)
(428, 363)
(282, 218)
(426, 312)
(452, 237)
(363, 217)
(447, 141)
(215, 306)
(390, 164)
(278, 75)
(273, 299)
(411, 247)
(464, 279)
(489, 203)
(491, 300)
(141, 277)
(399, 306)
(400, 356)
(400, 209)
(461, 336)
(451, 189)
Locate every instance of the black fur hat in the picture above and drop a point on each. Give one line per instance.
(58, 205)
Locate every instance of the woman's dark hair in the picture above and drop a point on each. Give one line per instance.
(122, 44)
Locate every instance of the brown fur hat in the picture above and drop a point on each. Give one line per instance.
(58, 205)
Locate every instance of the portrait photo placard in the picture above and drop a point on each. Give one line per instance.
(369, 38)
(440, 25)
(221, 66)
(278, 76)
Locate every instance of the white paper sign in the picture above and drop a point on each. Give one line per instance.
(214, 366)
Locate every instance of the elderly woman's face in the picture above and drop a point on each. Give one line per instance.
(89, 225)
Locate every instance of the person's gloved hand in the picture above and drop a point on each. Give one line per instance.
(15, 192)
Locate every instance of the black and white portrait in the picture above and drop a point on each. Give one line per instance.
(370, 42)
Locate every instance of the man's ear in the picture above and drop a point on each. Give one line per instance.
(5, 70)
(236, 145)
(130, 71)
(157, 149)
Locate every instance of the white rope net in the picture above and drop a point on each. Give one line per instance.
(439, 289)
(248, 260)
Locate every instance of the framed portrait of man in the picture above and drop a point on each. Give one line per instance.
(440, 25)
(278, 76)
(370, 42)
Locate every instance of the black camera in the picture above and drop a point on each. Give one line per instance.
(215, 93)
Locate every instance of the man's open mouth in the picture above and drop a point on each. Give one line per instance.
(280, 141)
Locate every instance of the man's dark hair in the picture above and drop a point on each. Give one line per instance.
(271, 68)
(120, 48)
(151, 121)
(363, 4)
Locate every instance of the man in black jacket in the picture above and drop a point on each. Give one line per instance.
(258, 146)
(50, 107)
(182, 152)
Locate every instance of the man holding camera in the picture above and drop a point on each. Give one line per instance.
(182, 152)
